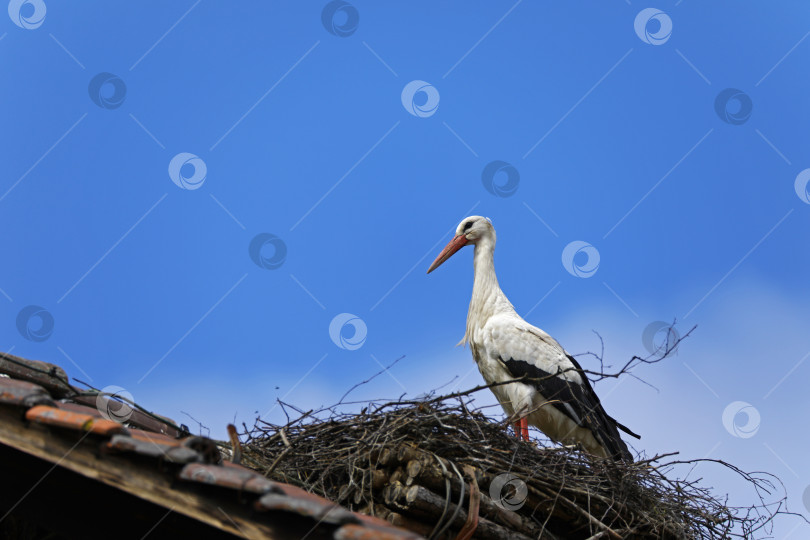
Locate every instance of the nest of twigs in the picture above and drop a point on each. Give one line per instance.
(432, 466)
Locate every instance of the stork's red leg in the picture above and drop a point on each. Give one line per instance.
(524, 428)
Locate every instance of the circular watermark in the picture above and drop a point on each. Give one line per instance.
(653, 26)
(267, 251)
(111, 404)
(35, 323)
(741, 419)
(187, 171)
(733, 106)
(508, 491)
(348, 331)
(500, 178)
(340, 18)
(659, 338)
(420, 99)
(802, 187)
(28, 14)
(580, 259)
(107, 90)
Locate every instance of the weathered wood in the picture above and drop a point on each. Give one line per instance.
(385, 456)
(433, 479)
(379, 478)
(50, 376)
(407, 453)
(391, 492)
(431, 475)
(397, 476)
(419, 500)
(412, 469)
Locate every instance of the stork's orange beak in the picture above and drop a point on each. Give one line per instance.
(455, 244)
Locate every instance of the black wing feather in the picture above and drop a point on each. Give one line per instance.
(577, 401)
(593, 392)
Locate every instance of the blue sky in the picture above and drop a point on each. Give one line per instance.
(613, 134)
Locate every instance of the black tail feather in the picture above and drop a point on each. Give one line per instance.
(626, 429)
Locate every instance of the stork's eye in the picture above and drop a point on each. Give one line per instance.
(467, 226)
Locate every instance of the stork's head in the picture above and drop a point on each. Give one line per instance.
(471, 230)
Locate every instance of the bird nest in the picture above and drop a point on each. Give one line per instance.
(440, 466)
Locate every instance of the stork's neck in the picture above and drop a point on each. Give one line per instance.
(487, 297)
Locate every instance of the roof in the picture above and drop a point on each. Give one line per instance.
(71, 471)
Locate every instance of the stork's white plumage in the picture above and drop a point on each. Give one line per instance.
(554, 394)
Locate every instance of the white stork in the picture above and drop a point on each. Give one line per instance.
(554, 394)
